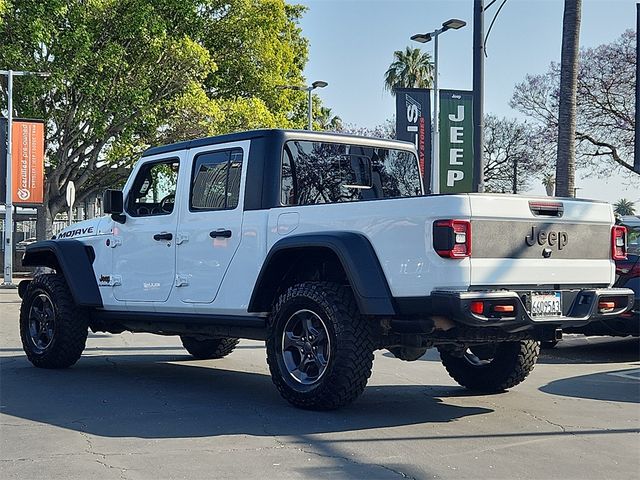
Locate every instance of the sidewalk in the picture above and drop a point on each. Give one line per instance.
(15, 281)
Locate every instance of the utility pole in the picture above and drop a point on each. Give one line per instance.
(8, 215)
(636, 156)
(478, 95)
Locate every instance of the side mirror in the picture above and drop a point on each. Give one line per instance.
(113, 203)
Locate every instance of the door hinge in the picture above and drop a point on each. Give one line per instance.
(182, 280)
(181, 238)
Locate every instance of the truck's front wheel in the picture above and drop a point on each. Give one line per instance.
(491, 367)
(319, 349)
(52, 328)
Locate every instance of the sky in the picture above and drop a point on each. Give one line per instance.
(352, 44)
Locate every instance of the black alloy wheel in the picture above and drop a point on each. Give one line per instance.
(306, 347)
(42, 319)
(479, 355)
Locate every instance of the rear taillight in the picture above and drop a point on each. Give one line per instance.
(618, 243)
(452, 238)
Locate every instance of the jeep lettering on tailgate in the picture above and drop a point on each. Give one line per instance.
(561, 239)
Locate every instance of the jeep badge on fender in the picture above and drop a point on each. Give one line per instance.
(549, 238)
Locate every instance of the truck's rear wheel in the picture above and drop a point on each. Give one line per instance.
(207, 348)
(491, 367)
(319, 348)
(53, 329)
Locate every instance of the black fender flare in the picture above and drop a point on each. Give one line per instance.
(358, 259)
(72, 259)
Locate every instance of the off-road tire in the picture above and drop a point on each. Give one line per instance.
(70, 323)
(509, 366)
(350, 346)
(209, 348)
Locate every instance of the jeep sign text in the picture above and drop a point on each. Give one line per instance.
(456, 141)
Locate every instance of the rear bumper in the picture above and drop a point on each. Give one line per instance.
(579, 307)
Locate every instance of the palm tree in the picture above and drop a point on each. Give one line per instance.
(325, 120)
(624, 207)
(549, 182)
(410, 69)
(566, 164)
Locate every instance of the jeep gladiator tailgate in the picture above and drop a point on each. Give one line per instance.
(538, 242)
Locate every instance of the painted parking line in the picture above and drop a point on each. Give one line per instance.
(632, 374)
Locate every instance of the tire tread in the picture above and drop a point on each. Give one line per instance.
(353, 356)
(513, 363)
(71, 324)
(211, 348)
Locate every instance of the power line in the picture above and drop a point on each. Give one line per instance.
(492, 22)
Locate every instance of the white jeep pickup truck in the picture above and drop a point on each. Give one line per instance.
(325, 247)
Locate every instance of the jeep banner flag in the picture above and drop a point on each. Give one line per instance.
(27, 166)
(456, 141)
(413, 124)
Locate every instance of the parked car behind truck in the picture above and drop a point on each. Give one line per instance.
(324, 246)
(627, 276)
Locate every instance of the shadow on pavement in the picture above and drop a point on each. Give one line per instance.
(145, 396)
(590, 350)
(575, 350)
(137, 348)
(432, 355)
(613, 386)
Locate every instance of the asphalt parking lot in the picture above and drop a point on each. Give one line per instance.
(136, 407)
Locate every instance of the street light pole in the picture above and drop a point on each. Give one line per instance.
(8, 212)
(308, 89)
(310, 110)
(435, 138)
(8, 206)
(452, 24)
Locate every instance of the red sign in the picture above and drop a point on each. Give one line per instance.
(27, 166)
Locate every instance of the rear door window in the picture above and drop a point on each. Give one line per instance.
(216, 180)
(318, 172)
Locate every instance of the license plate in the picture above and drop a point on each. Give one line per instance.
(546, 304)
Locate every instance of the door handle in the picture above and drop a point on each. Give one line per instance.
(163, 236)
(220, 233)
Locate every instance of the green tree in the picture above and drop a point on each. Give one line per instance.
(605, 122)
(549, 183)
(512, 154)
(126, 74)
(326, 120)
(566, 164)
(384, 130)
(411, 68)
(624, 207)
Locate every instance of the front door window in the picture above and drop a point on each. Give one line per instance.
(154, 189)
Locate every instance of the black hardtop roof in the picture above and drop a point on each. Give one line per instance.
(283, 135)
